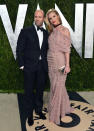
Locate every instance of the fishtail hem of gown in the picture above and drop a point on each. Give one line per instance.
(68, 112)
(55, 122)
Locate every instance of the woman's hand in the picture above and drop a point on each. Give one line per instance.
(67, 70)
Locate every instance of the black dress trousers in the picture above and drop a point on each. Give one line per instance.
(34, 83)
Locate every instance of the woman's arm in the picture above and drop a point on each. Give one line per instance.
(67, 63)
(67, 54)
(65, 44)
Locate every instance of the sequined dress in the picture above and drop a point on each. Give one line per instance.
(59, 104)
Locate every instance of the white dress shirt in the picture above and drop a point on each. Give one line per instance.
(40, 35)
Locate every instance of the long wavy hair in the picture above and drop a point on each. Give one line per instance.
(47, 21)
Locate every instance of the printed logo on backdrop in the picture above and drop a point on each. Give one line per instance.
(76, 35)
(81, 119)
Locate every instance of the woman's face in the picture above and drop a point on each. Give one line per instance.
(53, 18)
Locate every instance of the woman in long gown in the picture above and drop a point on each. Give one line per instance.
(58, 56)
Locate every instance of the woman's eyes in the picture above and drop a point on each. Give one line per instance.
(52, 17)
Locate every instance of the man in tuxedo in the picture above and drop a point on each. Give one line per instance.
(31, 53)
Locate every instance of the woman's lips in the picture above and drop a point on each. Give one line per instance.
(53, 22)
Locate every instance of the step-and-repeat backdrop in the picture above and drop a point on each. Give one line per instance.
(77, 16)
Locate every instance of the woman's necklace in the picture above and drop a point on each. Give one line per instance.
(57, 25)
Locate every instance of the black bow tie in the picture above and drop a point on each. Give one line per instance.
(40, 28)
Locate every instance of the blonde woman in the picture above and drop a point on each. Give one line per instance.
(59, 66)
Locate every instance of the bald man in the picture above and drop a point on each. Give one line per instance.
(31, 53)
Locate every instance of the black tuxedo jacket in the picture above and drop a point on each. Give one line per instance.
(28, 50)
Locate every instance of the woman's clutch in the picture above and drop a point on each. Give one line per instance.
(61, 69)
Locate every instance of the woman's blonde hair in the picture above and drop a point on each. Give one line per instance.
(47, 21)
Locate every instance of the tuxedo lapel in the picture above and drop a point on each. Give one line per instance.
(36, 36)
(44, 35)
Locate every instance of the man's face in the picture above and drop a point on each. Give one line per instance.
(39, 18)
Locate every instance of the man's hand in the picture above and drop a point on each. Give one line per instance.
(22, 67)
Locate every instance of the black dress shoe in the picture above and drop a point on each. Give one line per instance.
(30, 121)
(41, 115)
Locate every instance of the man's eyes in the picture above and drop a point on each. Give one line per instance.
(38, 17)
